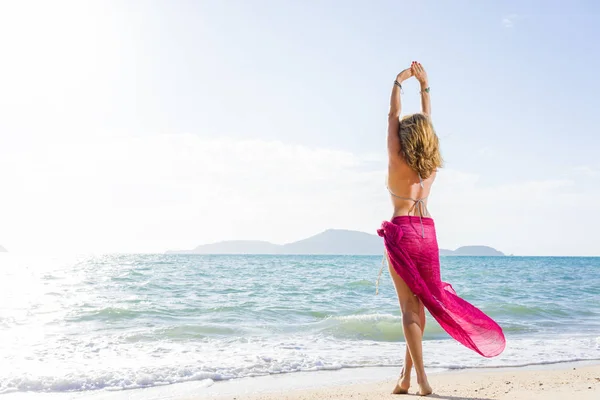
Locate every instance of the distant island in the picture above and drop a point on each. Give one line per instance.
(472, 251)
(330, 242)
(3, 250)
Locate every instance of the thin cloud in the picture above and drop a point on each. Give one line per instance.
(587, 171)
(509, 21)
(487, 152)
(158, 192)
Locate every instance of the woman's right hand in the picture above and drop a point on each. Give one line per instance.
(404, 75)
(419, 73)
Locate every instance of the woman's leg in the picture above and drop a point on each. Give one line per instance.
(404, 380)
(413, 325)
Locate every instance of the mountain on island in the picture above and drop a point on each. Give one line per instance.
(331, 241)
(3, 250)
(472, 251)
(235, 247)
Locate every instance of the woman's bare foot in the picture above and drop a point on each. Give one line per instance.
(424, 389)
(403, 384)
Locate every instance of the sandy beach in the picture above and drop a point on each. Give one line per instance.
(552, 382)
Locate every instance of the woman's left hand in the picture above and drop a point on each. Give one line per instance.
(419, 73)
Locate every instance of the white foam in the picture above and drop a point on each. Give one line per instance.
(135, 366)
(370, 317)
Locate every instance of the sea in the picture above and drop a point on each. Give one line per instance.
(113, 323)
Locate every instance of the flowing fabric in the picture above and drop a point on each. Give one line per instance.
(415, 258)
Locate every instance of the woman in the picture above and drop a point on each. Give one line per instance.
(411, 245)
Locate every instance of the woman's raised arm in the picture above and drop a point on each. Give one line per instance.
(394, 114)
(421, 75)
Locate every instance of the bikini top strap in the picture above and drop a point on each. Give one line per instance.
(420, 203)
(420, 200)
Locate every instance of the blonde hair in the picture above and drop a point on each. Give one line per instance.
(420, 144)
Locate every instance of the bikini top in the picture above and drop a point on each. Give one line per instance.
(417, 204)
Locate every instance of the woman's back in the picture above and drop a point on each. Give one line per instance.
(414, 157)
(408, 191)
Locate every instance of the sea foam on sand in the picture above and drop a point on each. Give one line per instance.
(577, 381)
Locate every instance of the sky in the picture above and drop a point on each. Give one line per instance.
(142, 126)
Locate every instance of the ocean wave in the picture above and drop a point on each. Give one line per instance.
(144, 377)
(108, 313)
(517, 365)
(110, 380)
(120, 313)
(387, 327)
(185, 333)
(376, 327)
(361, 283)
(520, 311)
(198, 331)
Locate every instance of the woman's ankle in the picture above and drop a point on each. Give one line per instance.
(422, 379)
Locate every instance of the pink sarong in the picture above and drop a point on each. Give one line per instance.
(412, 249)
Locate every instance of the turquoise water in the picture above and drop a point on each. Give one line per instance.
(128, 321)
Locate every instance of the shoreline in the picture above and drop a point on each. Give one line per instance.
(578, 380)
